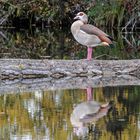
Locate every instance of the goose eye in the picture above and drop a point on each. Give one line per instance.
(81, 14)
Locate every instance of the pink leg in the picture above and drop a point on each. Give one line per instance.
(89, 94)
(89, 53)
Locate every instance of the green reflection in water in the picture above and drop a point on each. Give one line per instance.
(46, 114)
(58, 44)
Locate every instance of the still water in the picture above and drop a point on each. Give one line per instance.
(58, 114)
(69, 114)
(58, 44)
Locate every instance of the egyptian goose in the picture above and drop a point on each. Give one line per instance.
(88, 35)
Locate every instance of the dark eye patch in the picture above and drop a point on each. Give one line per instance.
(81, 14)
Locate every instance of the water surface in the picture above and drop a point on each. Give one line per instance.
(59, 44)
(46, 115)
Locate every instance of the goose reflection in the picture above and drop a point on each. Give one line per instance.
(87, 113)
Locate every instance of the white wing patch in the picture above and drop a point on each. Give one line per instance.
(83, 31)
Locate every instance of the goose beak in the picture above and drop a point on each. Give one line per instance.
(77, 17)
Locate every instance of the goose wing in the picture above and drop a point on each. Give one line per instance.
(90, 29)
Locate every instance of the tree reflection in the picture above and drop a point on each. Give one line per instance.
(59, 44)
(125, 112)
(46, 114)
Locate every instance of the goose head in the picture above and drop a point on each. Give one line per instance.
(82, 16)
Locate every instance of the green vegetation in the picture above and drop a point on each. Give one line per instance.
(57, 44)
(52, 43)
(59, 12)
